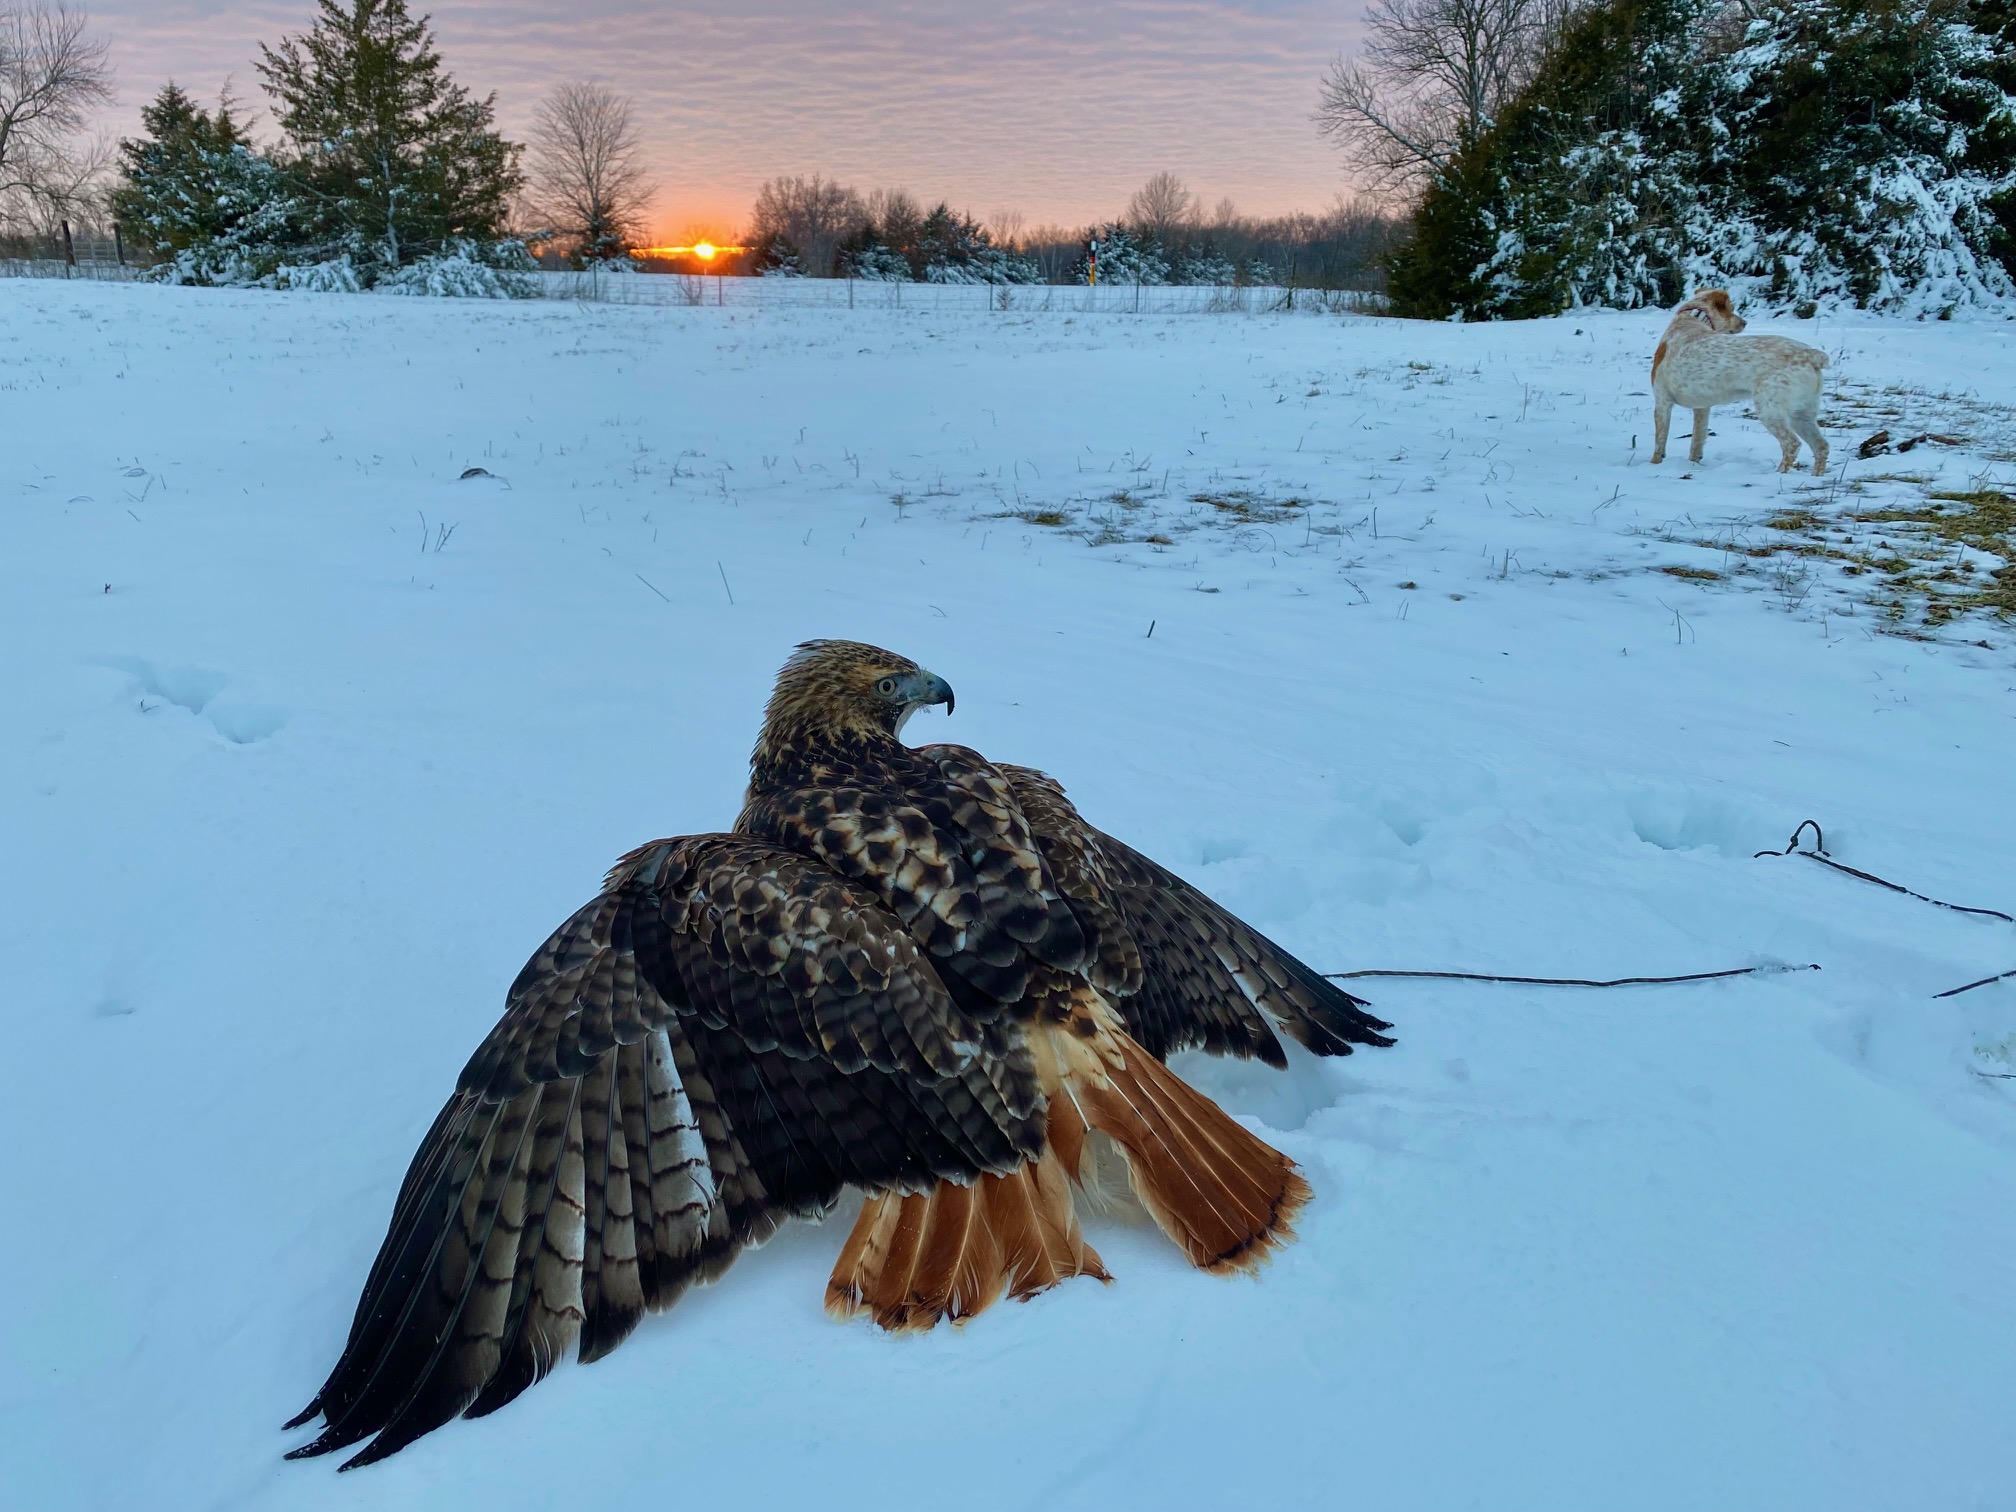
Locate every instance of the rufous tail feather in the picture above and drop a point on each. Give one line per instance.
(1224, 1195)
(953, 1251)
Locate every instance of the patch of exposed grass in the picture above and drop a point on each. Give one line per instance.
(1921, 552)
(1693, 574)
(1147, 517)
(1250, 508)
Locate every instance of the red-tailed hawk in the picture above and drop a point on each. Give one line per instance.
(911, 971)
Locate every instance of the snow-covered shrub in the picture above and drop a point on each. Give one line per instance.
(334, 275)
(1206, 268)
(468, 270)
(988, 265)
(877, 264)
(780, 260)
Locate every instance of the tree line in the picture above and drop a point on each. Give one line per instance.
(385, 172)
(816, 227)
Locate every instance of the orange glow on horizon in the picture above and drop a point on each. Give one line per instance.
(704, 250)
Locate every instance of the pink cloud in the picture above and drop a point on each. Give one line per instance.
(1058, 110)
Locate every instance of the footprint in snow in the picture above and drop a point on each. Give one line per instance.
(207, 695)
(1676, 818)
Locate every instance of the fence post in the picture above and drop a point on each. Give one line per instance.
(118, 244)
(69, 252)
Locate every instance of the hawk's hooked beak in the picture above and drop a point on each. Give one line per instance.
(918, 689)
(929, 688)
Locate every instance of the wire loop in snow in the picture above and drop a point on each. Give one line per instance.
(1819, 853)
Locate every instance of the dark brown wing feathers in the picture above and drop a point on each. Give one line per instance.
(1206, 979)
(742, 1026)
(667, 1084)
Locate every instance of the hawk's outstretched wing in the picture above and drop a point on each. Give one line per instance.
(726, 1037)
(1202, 978)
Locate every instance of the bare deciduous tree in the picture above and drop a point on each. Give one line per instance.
(52, 71)
(1006, 227)
(1053, 249)
(811, 216)
(588, 183)
(1161, 209)
(1434, 75)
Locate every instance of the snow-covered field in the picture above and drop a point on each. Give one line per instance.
(308, 742)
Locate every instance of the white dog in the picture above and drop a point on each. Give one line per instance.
(1702, 362)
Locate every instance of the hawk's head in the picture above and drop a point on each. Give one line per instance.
(833, 687)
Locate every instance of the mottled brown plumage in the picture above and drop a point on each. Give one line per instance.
(907, 971)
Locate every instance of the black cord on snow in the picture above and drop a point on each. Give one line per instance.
(1819, 853)
(2000, 976)
(1769, 969)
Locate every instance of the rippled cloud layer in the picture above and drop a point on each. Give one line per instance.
(1056, 110)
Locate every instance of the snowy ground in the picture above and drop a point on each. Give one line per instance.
(308, 743)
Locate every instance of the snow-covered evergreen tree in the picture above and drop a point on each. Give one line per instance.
(1123, 259)
(195, 195)
(1808, 153)
(1888, 140)
(956, 249)
(396, 161)
(1206, 267)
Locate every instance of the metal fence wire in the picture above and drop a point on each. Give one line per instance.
(860, 293)
(99, 257)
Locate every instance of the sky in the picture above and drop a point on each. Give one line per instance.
(1055, 110)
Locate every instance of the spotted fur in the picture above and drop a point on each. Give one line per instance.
(1704, 360)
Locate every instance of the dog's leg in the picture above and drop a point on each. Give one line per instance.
(1788, 443)
(1808, 427)
(1662, 416)
(1700, 435)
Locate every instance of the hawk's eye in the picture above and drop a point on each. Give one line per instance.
(886, 687)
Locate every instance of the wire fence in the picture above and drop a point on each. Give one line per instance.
(102, 268)
(699, 289)
(70, 251)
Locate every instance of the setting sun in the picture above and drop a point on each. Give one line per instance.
(706, 251)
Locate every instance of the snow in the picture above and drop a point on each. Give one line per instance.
(311, 740)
